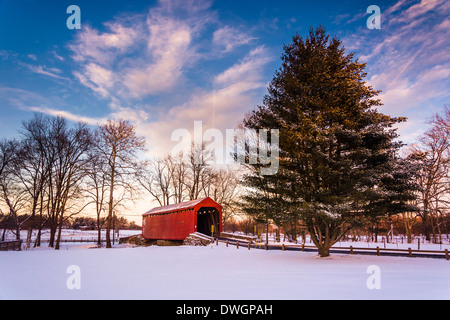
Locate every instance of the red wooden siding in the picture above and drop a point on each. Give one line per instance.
(176, 222)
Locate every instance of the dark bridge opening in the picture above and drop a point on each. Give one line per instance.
(206, 218)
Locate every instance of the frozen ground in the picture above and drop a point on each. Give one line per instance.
(71, 234)
(215, 272)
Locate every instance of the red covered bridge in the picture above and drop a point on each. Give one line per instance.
(177, 221)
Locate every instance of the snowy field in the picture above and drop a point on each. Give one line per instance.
(215, 272)
(399, 242)
(71, 234)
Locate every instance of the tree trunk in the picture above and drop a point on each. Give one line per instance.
(409, 235)
(110, 210)
(99, 239)
(29, 234)
(3, 234)
(51, 242)
(18, 226)
(58, 239)
(376, 232)
(408, 223)
(108, 229)
(324, 251)
(321, 240)
(99, 210)
(37, 242)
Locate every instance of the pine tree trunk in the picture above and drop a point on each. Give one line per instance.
(321, 240)
(324, 251)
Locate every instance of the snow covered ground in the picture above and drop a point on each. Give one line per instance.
(418, 243)
(215, 272)
(71, 234)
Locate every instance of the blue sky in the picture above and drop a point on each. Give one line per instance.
(165, 64)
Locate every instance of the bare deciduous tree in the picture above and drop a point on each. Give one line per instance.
(433, 155)
(119, 145)
(174, 179)
(97, 187)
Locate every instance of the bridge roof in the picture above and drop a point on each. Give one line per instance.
(182, 206)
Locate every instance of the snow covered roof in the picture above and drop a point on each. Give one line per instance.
(178, 206)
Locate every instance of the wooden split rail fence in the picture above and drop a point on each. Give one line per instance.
(14, 245)
(346, 250)
(17, 244)
(77, 240)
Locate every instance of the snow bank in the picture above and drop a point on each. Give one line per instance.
(215, 272)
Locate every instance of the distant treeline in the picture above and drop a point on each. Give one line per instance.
(7, 222)
(381, 228)
(55, 172)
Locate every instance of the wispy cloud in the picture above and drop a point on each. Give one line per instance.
(26, 100)
(129, 64)
(102, 48)
(47, 71)
(141, 58)
(236, 90)
(68, 115)
(228, 38)
(419, 9)
(408, 59)
(57, 56)
(245, 70)
(168, 51)
(97, 78)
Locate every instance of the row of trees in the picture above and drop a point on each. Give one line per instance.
(8, 222)
(55, 171)
(431, 156)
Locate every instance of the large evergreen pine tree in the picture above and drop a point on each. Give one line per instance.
(335, 147)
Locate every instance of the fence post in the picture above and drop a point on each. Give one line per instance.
(351, 249)
(249, 245)
(226, 243)
(282, 247)
(237, 244)
(378, 251)
(446, 255)
(303, 247)
(410, 252)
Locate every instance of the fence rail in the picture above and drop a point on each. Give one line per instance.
(444, 254)
(77, 240)
(14, 245)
